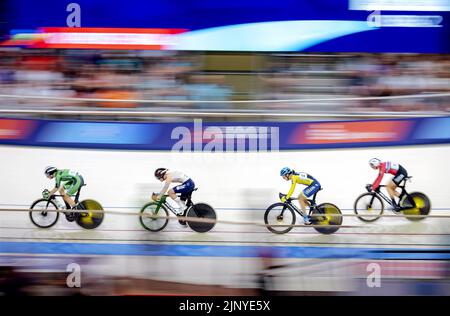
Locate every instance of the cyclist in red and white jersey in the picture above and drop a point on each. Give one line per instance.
(393, 168)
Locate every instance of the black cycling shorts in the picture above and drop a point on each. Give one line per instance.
(400, 176)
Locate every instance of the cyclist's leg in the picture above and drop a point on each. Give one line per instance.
(73, 190)
(66, 197)
(183, 189)
(395, 182)
(391, 186)
(303, 201)
(308, 192)
(172, 193)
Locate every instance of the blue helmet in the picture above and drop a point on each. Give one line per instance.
(285, 171)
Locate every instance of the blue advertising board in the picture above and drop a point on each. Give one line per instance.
(263, 25)
(201, 136)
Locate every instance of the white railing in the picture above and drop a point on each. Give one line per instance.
(216, 112)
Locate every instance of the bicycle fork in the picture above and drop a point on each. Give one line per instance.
(280, 216)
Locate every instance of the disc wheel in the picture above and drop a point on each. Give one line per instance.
(204, 211)
(422, 206)
(93, 216)
(326, 218)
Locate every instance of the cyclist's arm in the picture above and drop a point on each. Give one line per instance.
(377, 182)
(53, 191)
(291, 190)
(58, 185)
(166, 186)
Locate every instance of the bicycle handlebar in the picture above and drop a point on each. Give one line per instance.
(162, 200)
(287, 200)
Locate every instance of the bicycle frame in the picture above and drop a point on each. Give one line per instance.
(76, 198)
(384, 196)
(54, 196)
(312, 205)
(402, 195)
(163, 201)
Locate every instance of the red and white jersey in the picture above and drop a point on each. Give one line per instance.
(385, 167)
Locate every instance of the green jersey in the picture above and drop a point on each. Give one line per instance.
(66, 175)
(71, 180)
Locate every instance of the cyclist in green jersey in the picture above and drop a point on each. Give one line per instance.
(67, 183)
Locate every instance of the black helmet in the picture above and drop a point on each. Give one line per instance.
(160, 172)
(48, 171)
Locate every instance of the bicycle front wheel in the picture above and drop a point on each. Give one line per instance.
(279, 218)
(327, 218)
(154, 218)
(369, 207)
(45, 213)
(93, 216)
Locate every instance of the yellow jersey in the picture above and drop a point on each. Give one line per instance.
(300, 178)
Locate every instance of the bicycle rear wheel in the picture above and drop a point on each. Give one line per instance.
(93, 216)
(327, 215)
(45, 213)
(201, 210)
(422, 203)
(277, 217)
(369, 207)
(153, 218)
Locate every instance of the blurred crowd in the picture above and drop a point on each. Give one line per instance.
(367, 82)
(185, 80)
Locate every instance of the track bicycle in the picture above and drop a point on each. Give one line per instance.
(370, 206)
(155, 215)
(87, 214)
(326, 218)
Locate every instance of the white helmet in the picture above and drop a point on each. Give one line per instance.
(374, 163)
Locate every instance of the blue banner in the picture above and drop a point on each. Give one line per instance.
(201, 136)
(264, 25)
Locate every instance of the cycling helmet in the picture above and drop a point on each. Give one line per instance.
(160, 172)
(48, 171)
(374, 162)
(286, 171)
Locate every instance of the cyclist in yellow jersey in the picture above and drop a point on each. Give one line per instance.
(312, 184)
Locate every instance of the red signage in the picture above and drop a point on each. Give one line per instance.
(107, 38)
(351, 132)
(15, 129)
